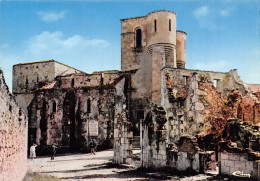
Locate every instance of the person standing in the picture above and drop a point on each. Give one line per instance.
(92, 146)
(53, 149)
(33, 151)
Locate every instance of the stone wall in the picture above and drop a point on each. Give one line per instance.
(203, 101)
(184, 161)
(154, 138)
(32, 75)
(13, 136)
(69, 115)
(232, 162)
(27, 76)
(123, 135)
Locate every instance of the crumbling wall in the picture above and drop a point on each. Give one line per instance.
(154, 138)
(13, 136)
(234, 162)
(69, 116)
(202, 102)
(29, 76)
(87, 80)
(185, 156)
(218, 109)
(123, 133)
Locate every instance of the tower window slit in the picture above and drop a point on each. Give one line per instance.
(170, 25)
(155, 25)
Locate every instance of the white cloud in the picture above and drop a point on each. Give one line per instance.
(51, 16)
(213, 66)
(226, 12)
(77, 51)
(209, 17)
(56, 45)
(201, 12)
(204, 17)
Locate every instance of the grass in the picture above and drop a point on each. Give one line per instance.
(38, 177)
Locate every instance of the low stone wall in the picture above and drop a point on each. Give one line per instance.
(13, 137)
(183, 161)
(231, 162)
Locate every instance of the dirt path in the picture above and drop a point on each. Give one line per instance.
(80, 167)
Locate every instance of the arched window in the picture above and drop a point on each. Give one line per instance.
(138, 38)
(53, 106)
(88, 106)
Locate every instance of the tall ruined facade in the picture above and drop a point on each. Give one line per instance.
(172, 113)
(65, 106)
(179, 113)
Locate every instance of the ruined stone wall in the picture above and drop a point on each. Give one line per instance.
(13, 136)
(27, 76)
(255, 88)
(232, 162)
(192, 98)
(154, 138)
(69, 117)
(123, 133)
(87, 80)
(30, 76)
(62, 69)
(23, 100)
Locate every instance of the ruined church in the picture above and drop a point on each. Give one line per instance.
(177, 117)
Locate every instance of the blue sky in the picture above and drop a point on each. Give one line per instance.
(222, 34)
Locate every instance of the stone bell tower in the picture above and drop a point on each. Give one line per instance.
(152, 42)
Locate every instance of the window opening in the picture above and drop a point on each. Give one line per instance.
(155, 25)
(185, 80)
(88, 106)
(53, 106)
(72, 82)
(216, 83)
(101, 79)
(138, 38)
(26, 82)
(170, 25)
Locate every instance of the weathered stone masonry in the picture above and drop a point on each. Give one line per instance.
(68, 113)
(177, 116)
(13, 136)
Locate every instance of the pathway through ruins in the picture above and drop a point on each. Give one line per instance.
(82, 167)
(94, 167)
